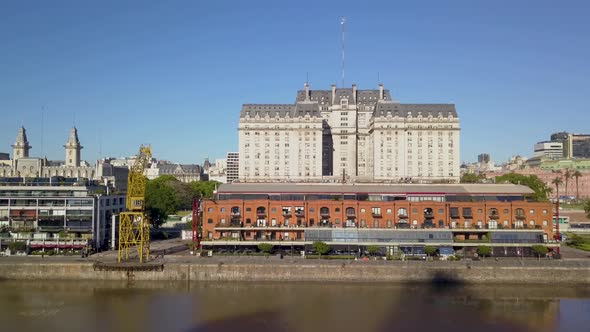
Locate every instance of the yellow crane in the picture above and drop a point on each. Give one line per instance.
(134, 226)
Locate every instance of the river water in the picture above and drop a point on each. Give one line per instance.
(326, 307)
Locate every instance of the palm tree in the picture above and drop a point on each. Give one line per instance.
(567, 175)
(576, 175)
(557, 181)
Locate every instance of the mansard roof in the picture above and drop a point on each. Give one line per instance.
(281, 110)
(414, 110)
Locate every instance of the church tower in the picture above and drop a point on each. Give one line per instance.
(73, 148)
(21, 147)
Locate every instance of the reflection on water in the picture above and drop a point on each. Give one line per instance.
(160, 306)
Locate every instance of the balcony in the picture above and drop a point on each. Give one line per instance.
(494, 215)
(236, 214)
(376, 214)
(325, 213)
(286, 213)
(402, 215)
(520, 216)
(261, 213)
(429, 215)
(299, 213)
(402, 225)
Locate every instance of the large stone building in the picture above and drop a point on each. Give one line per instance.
(23, 165)
(347, 134)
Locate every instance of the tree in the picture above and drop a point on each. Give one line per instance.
(472, 178)
(321, 247)
(587, 208)
(16, 246)
(372, 250)
(557, 182)
(430, 250)
(567, 176)
(265, 248)
(484, 251)
(532, 181)
(160, 200)
(540, 250)
(203, 189)
(577, 175)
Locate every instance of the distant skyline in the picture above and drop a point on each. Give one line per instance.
(175, 74)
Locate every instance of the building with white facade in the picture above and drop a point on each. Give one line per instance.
(348, 135)
(548, 149)
(24, 166)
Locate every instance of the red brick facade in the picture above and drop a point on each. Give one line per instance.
(249, 215)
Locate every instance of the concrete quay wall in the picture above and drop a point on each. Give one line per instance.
(422, 272)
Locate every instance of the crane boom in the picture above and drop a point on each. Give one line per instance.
(134, 227)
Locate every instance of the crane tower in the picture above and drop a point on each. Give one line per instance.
(134, 226)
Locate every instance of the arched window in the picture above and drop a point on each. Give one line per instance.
(235, 210)
(324, 211)
(261, 211)
(402, 213)
(428, 213)
(350, 212)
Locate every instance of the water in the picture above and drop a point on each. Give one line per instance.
(160, 306)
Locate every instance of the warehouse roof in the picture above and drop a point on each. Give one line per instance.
(403, 189)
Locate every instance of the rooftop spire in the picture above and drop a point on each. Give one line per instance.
(21, 146)
(73, 140)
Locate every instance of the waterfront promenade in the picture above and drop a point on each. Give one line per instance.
(260, 268)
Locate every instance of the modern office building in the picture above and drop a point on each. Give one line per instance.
(574, 145)
(402, 215)
(549, 149)
(57, 212)
(233, 166)
(348, 135)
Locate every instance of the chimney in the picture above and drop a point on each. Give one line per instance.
(306, 91)
(333, 93)
(380, 91)
(354, 93)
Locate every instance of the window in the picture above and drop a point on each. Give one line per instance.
(311, 210)
(375, 223)
(362, 210)
(505, 211)
(531, 211)
(389, 211)
(544, 222)
(210, 209)
(376, 211)
(544, 211)
(337, 209)
(389, 223)
(222, 209)
(441, 211)
(209, 221)
(248, 209)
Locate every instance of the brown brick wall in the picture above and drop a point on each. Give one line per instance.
(218, 213)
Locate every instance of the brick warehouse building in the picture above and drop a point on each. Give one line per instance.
(390, 216)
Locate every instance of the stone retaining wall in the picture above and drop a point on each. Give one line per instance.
(460, 273)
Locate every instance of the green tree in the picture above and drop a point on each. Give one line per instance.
(265, 248)
(160, 200)
(472, 178)
(430, 250)
(577, 175)
(587, 208)
(557, 182)
(540, 250)
(203, 189)
(484, 251)
(532, 181)
(372, 250)
(321, 247)
(16, 246)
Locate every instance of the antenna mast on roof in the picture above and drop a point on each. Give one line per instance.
(343, 23)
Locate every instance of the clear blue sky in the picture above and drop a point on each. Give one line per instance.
(175, 73)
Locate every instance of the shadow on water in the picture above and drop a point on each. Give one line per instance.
(444, 303)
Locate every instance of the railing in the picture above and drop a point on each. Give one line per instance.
(428, 215)
(520, 216)
(402, 216)
(325, 213)
(260, 213)
(235, 214)
(286, 213)
(299, 213)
